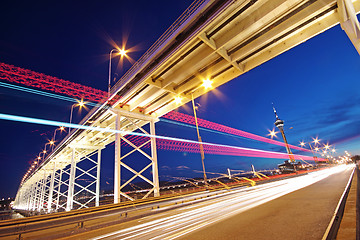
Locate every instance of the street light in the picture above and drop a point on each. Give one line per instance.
(178, 99)
(207, 84)
(326, 146)
(44, 152)
(53, 139)
(302, 144)
(200, 142)
(316, 140)
(272, 133)
(52, 144)
(122, 52)
(80, 104)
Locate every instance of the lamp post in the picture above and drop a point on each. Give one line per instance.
(61, 129)
(207, 85)
(122, 52)
(302, 144)
(315, 141)
(80, 104)
(200, 141)
(44, 152)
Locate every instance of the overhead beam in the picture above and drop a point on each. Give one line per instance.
(349, 22)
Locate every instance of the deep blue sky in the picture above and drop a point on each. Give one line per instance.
(315, 86)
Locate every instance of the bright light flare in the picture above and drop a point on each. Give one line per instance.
(207, 84)
(122, 52)
(316, 140)
(81, 103)
(178, 99)
(272, 133)
(302, 144)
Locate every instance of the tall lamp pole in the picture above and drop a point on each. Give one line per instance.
(80, 104)
(200, 141)
(207, 85)
(122, 52)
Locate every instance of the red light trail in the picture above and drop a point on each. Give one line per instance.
(179, 146)
(38, 80)
(181, 117)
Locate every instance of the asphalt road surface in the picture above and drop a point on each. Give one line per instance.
(295, 208)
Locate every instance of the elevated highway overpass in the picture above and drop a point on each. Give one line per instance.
(214, 40)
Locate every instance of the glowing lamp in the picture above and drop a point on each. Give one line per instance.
(207, 83)
(178, 99)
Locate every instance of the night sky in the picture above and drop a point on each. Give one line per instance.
(314, 86)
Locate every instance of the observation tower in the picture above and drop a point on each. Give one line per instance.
(280, 125)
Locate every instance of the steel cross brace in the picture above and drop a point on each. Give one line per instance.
(125, 119)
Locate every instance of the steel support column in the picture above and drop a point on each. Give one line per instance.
(97, 197)
(51, 189)
(134, 121)
(117, 176)
(37, 197)
(42, 195)
(59, 189)
(70, 200)
(32, 199)
(154, 160)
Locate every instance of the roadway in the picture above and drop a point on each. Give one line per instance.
(294, 208)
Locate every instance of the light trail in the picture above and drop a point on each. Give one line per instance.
(38, 80)
(179, 141)
(164, 144)
(72, 100)
(181, 117)
(45, 94)
(181, 222)
(205, 129)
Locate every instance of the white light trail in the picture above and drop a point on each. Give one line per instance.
(72, 126)
(201, 214)
(45, 94)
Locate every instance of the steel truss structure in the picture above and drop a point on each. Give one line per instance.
(64, 186)
(70, 179)
(135, 121)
